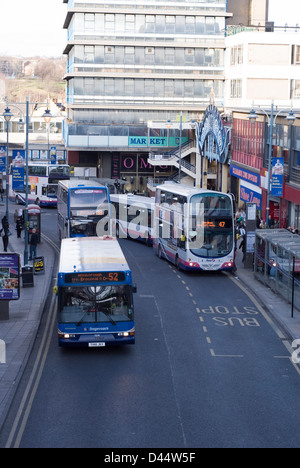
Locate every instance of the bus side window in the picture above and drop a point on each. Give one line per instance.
(44, 191)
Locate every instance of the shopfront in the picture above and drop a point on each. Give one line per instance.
(135, 169)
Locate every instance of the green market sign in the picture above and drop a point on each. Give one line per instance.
(138, 141)
(150, 142)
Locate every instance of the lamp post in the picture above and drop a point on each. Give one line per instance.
(47, 118)
(169, 126)
(7, 117)
(271, 123)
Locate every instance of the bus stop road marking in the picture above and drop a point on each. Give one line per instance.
(212, 352)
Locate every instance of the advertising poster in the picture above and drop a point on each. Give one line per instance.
(277, 177)
(18, 170)
(53, 155)
(9, 277)
(2, 158)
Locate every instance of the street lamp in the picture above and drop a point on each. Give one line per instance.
(7, 117)
(47, 116)
(271, 123)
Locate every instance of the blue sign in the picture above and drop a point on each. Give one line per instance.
(250, 196)
(18, 178)
(18, 170)
(2, 159)
(277, 177)
(248, 176)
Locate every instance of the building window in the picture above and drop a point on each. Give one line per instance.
(295, 89)
(235, 89)
(236, 55)
(296, 54)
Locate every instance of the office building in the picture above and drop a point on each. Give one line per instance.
(132, 62)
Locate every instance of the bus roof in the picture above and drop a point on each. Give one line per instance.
(130, 198)
(77, 183)
(91, 254)
(184, 190)
(37, 162)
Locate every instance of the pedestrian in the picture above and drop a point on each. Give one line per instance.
(271, 222)
(19, 226)
(4, 235)
(16, 214)
(37, 201)
(1, 193)
(243, 247)
(5, 232)
(5, 224)
(34, 239)
(258, 222)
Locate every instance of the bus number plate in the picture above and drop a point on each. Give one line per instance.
(97, 345)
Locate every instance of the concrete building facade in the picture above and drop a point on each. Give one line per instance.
(130, 63)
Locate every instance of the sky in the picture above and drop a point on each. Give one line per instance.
(32, 27)
(35, 27)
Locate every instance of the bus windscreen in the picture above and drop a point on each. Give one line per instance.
(87, 198)
(214, 213)
(95, 304)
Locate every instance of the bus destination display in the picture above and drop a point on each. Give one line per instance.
(97, 277)
(218, 223)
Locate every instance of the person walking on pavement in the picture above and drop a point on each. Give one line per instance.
(33, 244)
(19, 226)
(4, 233)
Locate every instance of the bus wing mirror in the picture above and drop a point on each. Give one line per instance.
(134, 288)
(193, 233)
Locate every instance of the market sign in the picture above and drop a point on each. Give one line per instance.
(9, 277)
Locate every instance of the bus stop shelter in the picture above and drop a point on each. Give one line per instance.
(277, 263)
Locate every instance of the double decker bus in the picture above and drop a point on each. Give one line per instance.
(194, 228)
(83, 209)
(43, 179)
(95, 294)
(133, 217)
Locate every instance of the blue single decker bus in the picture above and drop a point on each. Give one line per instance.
(95, 294)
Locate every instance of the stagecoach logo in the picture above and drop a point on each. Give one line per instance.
(96, 329)
(2, 352)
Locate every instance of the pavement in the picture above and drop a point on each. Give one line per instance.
(20, 330)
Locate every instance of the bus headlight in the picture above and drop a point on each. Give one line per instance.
(126, 334)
